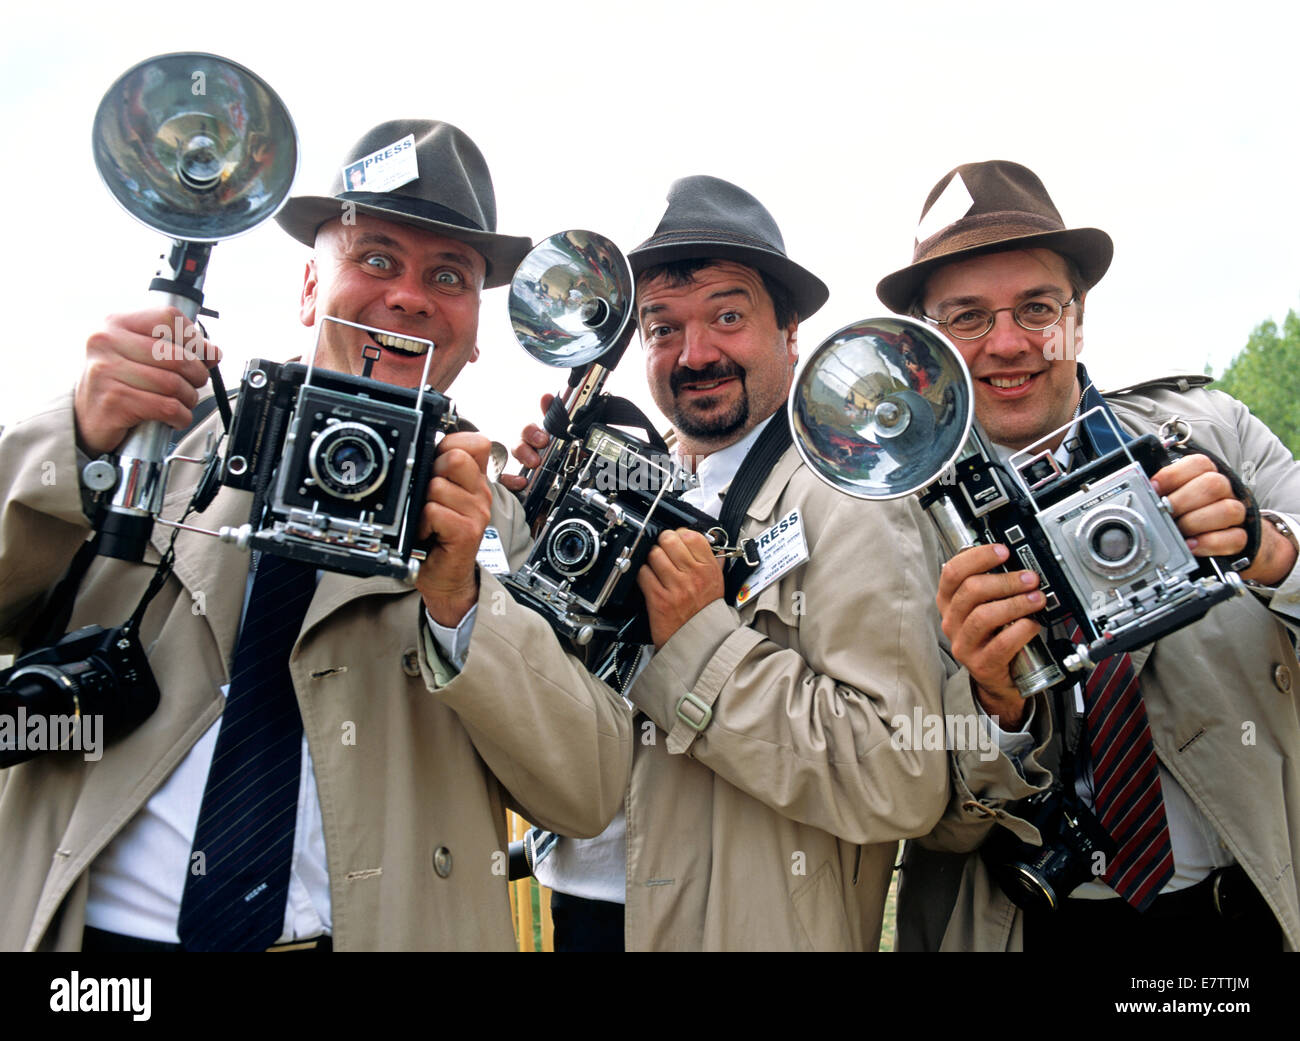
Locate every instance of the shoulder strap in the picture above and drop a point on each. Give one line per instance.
(759, 463)
(52, 622)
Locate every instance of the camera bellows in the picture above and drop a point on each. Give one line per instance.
(239, 871)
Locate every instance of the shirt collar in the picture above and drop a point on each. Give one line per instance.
(717, 470)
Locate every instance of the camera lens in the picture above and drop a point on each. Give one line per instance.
(349, 460)
(1114, 542)
(572, 547)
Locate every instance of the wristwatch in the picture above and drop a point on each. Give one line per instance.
(1284, 529)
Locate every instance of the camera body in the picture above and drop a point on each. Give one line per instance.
(1075, 849)
(90, 672)
(582, 570)
(1108, 554)
(338, 466)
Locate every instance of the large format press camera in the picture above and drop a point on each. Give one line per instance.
(884, 408)
(600, 497)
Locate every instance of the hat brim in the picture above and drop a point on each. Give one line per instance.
(303, 216)
(1091, 249)
(807, 290)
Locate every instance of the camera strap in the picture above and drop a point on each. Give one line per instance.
(758, 465)
(52, 622)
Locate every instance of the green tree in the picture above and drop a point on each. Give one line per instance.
(1265, 377)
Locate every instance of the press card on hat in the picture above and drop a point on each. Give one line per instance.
(385, 168)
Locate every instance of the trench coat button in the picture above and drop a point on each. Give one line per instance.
(1282, 678)
(411, 662)
(442, 861)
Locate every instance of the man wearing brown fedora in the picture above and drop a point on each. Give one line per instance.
(766, 800)
(1187, 749)
(334, 797)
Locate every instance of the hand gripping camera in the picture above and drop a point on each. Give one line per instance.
(1109, 557)
(337, 463)
(600, 497)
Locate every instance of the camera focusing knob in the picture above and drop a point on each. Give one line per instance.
(99, 475)
(239, 536)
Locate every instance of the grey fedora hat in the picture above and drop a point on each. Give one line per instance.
(450, 192)
(984, 208)
(712, 219)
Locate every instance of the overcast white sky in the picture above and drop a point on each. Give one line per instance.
(1172, 128)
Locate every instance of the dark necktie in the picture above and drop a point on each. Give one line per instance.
(238, 881)
(1126, 782)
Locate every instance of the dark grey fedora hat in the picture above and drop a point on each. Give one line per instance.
(711, 219)
(452, 194)
(983, 208)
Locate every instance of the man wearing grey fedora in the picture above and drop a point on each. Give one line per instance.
(766, 799)
(1187, 751)
(304, 784)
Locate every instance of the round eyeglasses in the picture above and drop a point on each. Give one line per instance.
(970, 323)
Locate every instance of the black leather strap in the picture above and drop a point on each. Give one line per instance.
(762, 458)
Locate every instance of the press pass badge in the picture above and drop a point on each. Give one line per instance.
(491, 556)
(780, 548)
(384, 169)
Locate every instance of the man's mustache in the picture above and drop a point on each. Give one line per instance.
(717, 371)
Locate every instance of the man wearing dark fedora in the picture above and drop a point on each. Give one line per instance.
(766, 801)
(1186, 750)
(304, 784)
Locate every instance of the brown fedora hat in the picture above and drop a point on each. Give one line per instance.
(985, 208)
(712, 219)
(450, 191)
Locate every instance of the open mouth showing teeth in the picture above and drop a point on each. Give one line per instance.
(401, 344)
(1006, 383)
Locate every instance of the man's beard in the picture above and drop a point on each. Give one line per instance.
(717, 426)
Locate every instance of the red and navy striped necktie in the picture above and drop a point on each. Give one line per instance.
(1126, 782)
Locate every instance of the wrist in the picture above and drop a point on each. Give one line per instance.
(1277, 553)
(448, 606)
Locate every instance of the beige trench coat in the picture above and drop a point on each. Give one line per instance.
(1221, 697)
(775, 825)
(402, 773)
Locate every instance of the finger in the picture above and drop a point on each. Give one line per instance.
(527, 456)
(161, 337)
(651, 586)
(1202, 491)
(988, 588)
(989, 618)
(453, 530)
(1219, 515)
(535, 436)
(1176, 474)
(475, 448)
(474, 502)
(546, 402)
(973, 561)
(990, 665)
(664, 567)
(1226, 543)
(696, 544)
(460, 469)
(513, 482)
(678, 552)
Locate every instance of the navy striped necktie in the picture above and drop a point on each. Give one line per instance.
(238, 880)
